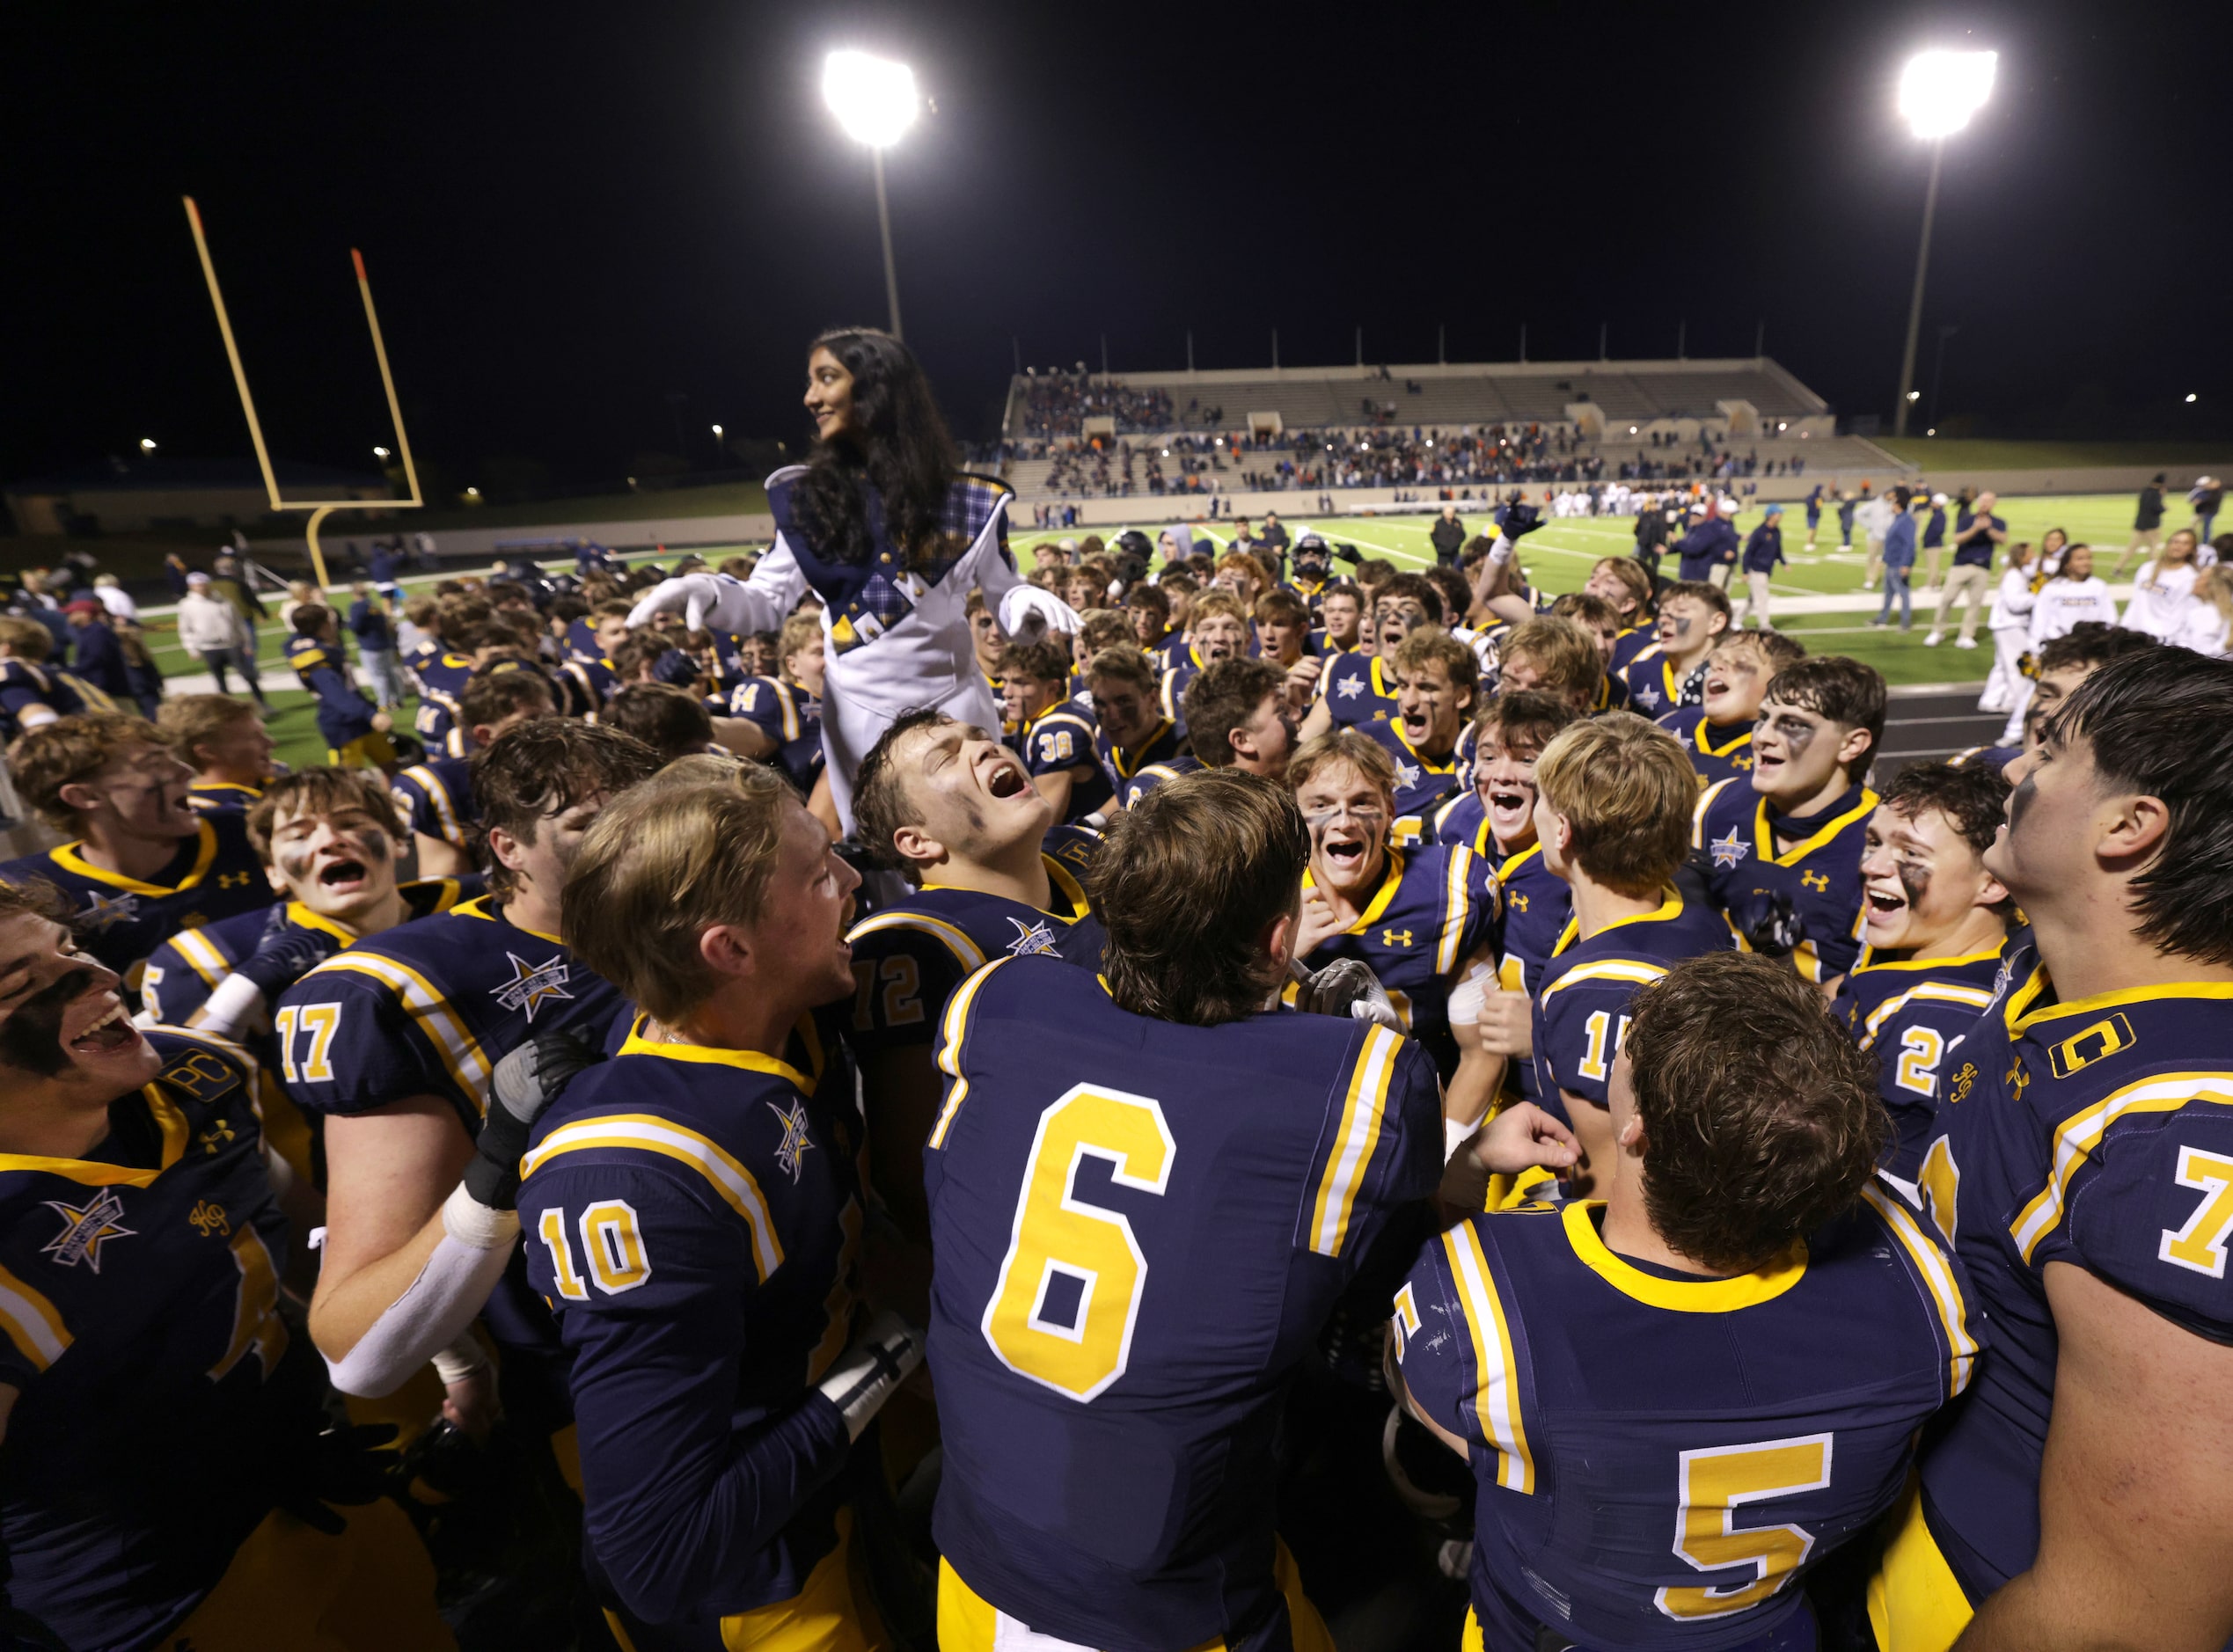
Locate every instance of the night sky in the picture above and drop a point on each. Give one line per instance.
(573, 213)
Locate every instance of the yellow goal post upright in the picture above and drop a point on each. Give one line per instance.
(318, 509)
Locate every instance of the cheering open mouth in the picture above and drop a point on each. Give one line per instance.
(112, 1031)
(342, 877)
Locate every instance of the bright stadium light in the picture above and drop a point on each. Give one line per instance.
(1939, 93)
(2190, 397)
(874, 101)
(147, 443)
(380, 453)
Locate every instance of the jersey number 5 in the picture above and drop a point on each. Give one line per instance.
(1713, 1483)
(1069, 1289)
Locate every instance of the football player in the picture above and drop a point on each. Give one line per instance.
(1239, 717)
(939, 802)
(1360, 687)
(355, 730)
(393, 1040)
(1437, 683)
(144, 864)
(694, 1212)
(1179, 588)
(1283, 637)
(596, 679)
(159, 1403)
(1550, 655)
(1421, 919)
(1613, 800)
(779, 719)
(2084, 1496)
(1602, 621)
(1148, 1195)
(1339, 613)
(1934, 926)
(1782, 856)
(330, 840)
(1717, 732)
(32, 694)
(1496, 819)
(1672, 671)
(1677, 1401)
(1626, 583)
(1217, 629)
(1148, 606)
(226, 741)
(1054, 738)
(441, 671)
(1131, 729)
(436, 796)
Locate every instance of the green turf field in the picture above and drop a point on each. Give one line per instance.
(1558, 557)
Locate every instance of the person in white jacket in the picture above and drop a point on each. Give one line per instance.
(212, 630)
(2206, 622)
(2071, 597)
(2166, 587)
(891, 537)
(1875, 516)
(2007, 689)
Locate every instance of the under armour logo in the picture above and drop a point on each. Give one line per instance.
(1817, 881)
(1395, 938)
(1518, 902)
(217, 1132)
(232, 879)
(2017, 1079)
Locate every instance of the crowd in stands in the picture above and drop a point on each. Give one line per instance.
(1058, 404)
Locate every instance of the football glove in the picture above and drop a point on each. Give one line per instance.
(284, 954)
(1770, 926)
(526, 1082)
(865, 1374)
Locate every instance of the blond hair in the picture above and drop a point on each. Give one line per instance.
(192, 719)
(74, 750)
(663, 863)
(1627, 791)
(1564, 652)
(1337, 747)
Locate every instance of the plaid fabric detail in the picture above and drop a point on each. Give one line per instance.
(969, 504)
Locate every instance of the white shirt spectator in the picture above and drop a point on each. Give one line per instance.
(115, 598)
(2012, 602)
(2160, 599)
(207, 623)
(2062, 603)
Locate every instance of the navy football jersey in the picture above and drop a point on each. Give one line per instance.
(1660, 1455)
(139, 1304)
(185, 969)
(1357, 688)
(694, 1218)
(1059, 740)
(1908, 1015)
(1733, 837)
(120, 920)
(343, 713)
(1717, 751)
(1994, 757)
(1153, 775)
(1537, 903)
(586, 685)
(1630, 643)
(1120, 764)
(1087, 1167)
(909, 958)
(429, 1009)
(2097, 1132)
(1612, 694)
(441, 679)
(435, 799)
(789, 716)
(1174, 684)
(32, 696)
(1423, 784)
(1657, 686)
(208, 795)
(1582, 1007)
(1435, 908)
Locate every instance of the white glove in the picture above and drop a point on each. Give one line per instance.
(1470, 996)
(697, 598)
(1027, 613)
(866, 1373)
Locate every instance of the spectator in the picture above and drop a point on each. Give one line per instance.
(2205, 623)
(2147, 524)
(229, 585)
(1448, 536)
(98, 662)
(1876, 514)
(300, 593)
(1847, 506)
(2165, 589)
(1898, 556)
(387, 562)
(1934, 541)
(2007, 689)
(2206, 495)
(174, 575)
(1977, 530)
(141, 672)
(373, 629)
(1709, 550)
(213, 630)
(2072, 596)
(113, 597)
(1763, 550)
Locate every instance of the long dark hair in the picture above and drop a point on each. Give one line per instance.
(895, 440)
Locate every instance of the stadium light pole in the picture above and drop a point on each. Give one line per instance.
(1939, 93)
(874, 101)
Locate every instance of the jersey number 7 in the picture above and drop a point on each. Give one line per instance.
(1070, 1286)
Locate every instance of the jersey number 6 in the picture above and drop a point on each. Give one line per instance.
(1069, 1290)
